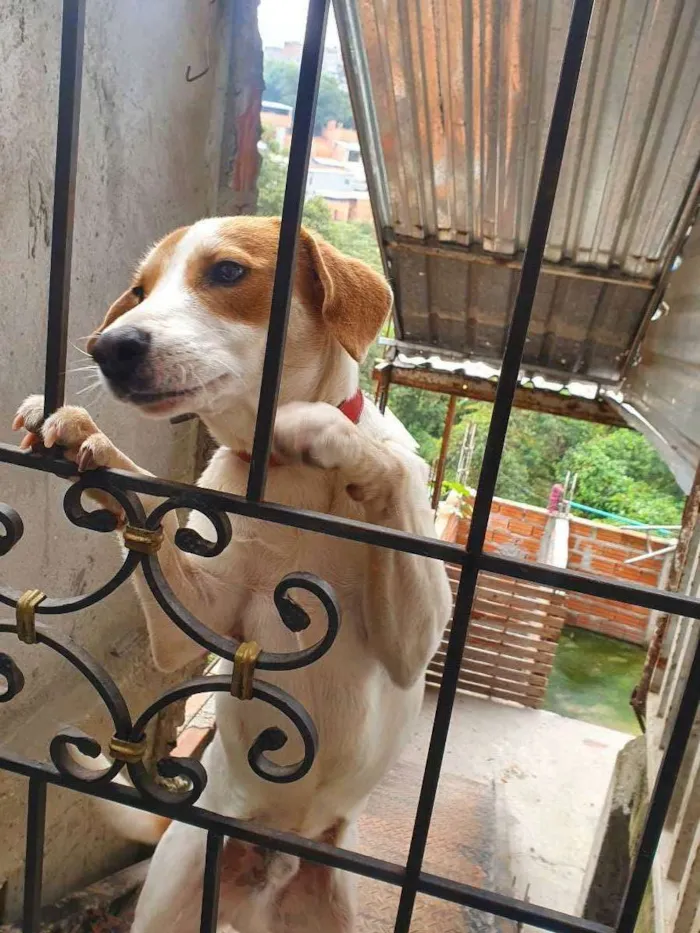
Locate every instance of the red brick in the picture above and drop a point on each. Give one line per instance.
(616, 554)
(192, 742)
(600, 565)
(510, 509)
(520, 528)
(609, 534)
(498, 537)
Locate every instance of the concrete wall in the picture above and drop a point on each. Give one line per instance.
(149, 161)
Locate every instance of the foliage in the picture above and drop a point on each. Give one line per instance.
(466, 494)
(271, 182)
(282, 79)
(620, 472)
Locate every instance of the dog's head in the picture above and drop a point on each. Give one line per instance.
(189, 335)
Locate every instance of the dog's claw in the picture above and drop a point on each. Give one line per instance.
(85, 460)
(50, 435)
(29, 441)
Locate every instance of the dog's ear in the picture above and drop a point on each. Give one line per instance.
(125, 302)
(353, 299)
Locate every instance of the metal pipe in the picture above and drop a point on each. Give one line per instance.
(648, 555)
(446, 432)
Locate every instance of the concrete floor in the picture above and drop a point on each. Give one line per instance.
(551, 776)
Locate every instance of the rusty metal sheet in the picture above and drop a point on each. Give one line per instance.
(661, 394)
(453, 101)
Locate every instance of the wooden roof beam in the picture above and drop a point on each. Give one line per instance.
(598, 411)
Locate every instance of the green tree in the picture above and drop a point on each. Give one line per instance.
(271, 182)
(282, 80)
(620, 472)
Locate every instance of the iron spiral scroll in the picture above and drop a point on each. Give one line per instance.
(127, 746)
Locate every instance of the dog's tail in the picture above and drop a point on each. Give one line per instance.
(127, 822)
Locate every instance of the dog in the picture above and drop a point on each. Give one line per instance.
(189, 336)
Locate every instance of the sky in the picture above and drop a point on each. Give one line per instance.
(284, 20)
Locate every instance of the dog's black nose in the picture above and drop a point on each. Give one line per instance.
(119, 352)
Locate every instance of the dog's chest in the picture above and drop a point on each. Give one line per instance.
(262, 554)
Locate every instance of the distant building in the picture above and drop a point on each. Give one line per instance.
(336, 172)
(289, 52)
(342, 185)
(337, 142)
(354, 206)
(333, 64)
(277, 118)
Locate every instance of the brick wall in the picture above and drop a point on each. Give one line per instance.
(517, 530)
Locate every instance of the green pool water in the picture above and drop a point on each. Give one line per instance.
(593, 679)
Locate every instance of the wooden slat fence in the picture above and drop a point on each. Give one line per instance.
(513, 636)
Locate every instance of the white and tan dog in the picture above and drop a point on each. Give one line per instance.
(189, 336)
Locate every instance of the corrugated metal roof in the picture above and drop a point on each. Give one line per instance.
(435, 364)
(453, 101)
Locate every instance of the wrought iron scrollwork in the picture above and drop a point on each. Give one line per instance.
(186, 777)
(12, 526)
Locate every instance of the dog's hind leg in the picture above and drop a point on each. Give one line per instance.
(171, 898)
(250, 880)
(318, 899)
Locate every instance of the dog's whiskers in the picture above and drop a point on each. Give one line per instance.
(93, 385)
(91, 367)
(80, 349)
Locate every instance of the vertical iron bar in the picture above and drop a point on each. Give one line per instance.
(530, 272)
(212, 878)
(661, 799)
(70, 81)
(302, 134)
(34, 854)
(507, 383)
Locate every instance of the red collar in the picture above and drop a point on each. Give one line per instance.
(352, 409)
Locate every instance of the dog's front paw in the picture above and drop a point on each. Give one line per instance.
(30, 416)
(70, 428)
(314, 433)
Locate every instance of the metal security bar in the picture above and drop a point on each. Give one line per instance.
(126, 747)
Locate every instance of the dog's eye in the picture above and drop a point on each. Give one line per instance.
(226, 272)
(138, 292)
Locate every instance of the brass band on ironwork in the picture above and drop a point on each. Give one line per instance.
(244, 662)
(143, 540)
(26, 615)
(124, 750)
